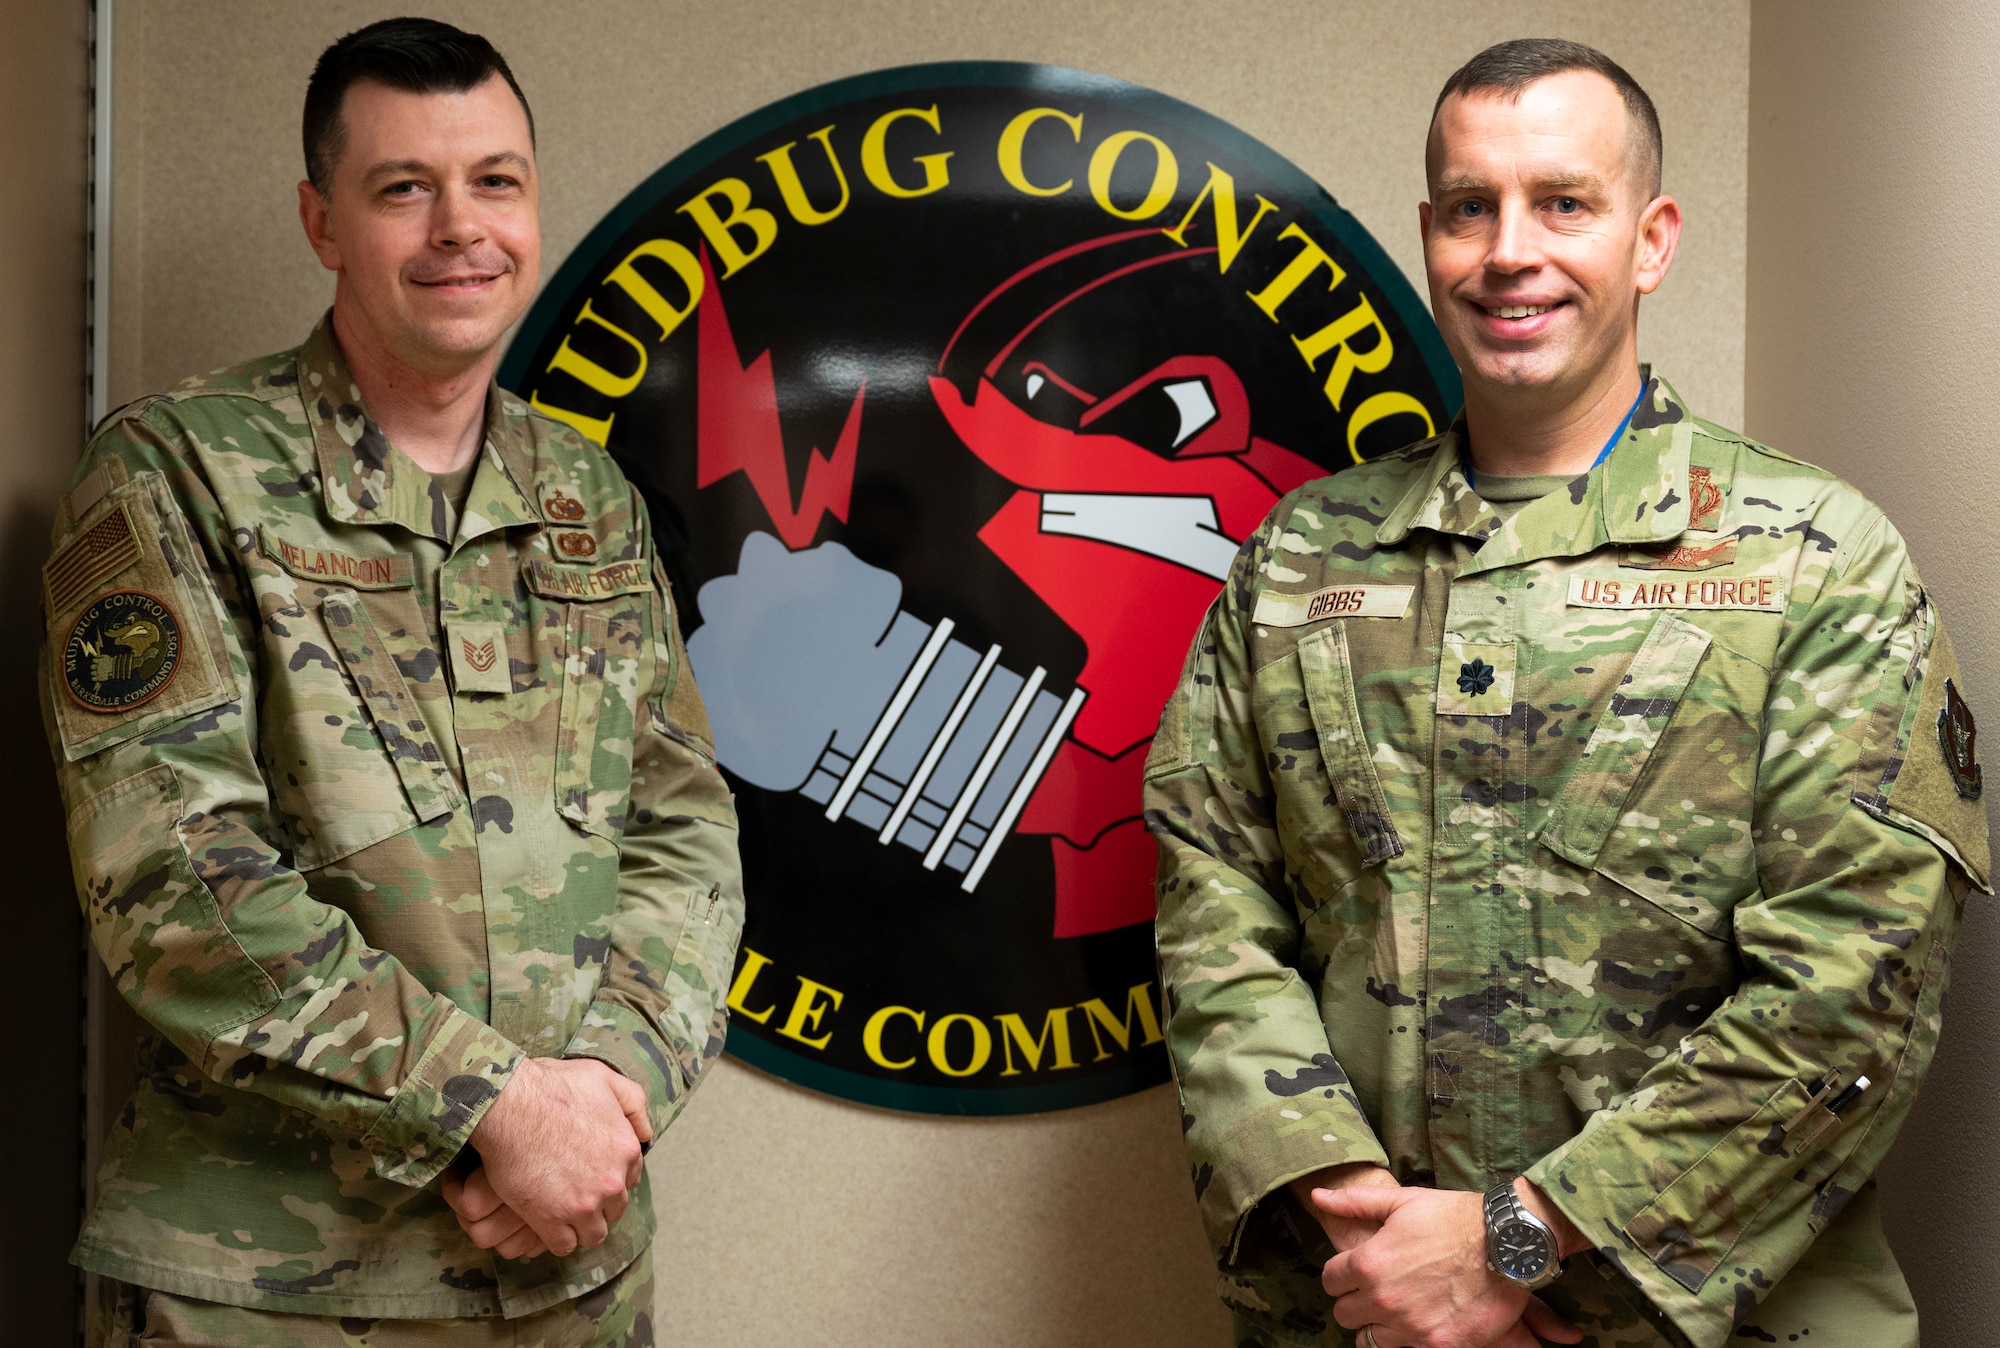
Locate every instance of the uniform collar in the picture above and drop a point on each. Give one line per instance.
(1637, 495)
(367, 480)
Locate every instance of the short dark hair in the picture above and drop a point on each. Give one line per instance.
(419, 56)
(1510, 67)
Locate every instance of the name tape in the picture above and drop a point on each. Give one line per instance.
(1336, 601)
(1762, 594)
(554, 581)
(392, 571)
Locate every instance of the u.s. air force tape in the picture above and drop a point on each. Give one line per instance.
(1759, 593)
(1336, 601)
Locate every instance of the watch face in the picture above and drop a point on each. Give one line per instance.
(1520, 1251)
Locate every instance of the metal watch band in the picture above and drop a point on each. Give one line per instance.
(1503, 1206)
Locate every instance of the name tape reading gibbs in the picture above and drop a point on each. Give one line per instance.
(1336, 601)
(1764, 594)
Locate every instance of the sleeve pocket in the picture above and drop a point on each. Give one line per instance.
(154, 923)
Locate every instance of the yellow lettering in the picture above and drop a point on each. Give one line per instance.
(794, 191)
(627, 277)
(588, 372)
(871, 1036)
(1380, 407)
(1166, 175)
(1221, 189)
(593, 429)
(717, 228)
(1138, 1002)
(807, 1008)
(1014, 1031)
(875, 158)
(982, 1045)
(1338, 335)
(1310, 258)
(746, 978)
(1015, 136)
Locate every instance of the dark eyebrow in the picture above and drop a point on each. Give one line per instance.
(397, 168)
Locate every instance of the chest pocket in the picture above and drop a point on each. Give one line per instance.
(605, 663)
(1661, 800)
(356, 794)
(1343, 744)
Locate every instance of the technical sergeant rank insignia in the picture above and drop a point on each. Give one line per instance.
(1957, 736)
(122, 651)
(479, 657)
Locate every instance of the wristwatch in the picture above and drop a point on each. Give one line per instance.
(1520, 1247)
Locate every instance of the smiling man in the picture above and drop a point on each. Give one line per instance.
(1564, 823)
(392, 804)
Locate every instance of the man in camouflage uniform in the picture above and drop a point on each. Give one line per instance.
(1583, 798)
(392, 803)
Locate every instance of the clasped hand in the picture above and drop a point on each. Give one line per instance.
(1412, 1265)
(560, 1155)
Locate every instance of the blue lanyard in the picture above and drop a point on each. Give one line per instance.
(1465, 448)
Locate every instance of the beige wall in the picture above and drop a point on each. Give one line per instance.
(1874, 226)
(44, 92)
(790, 1218)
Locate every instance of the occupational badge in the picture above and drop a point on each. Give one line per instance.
(560, 507)
(122, 651)
(1704, 501)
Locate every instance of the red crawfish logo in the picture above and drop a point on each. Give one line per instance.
(1130, 503)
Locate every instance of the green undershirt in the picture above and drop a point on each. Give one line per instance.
(1507, 495)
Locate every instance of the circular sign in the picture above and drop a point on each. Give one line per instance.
(953, 390)
(123, 650)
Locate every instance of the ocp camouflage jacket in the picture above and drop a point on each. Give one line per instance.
(1586, 845)
(369, 797)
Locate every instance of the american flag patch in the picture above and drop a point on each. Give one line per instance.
(90, 559)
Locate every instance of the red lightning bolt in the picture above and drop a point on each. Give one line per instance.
(737, 431)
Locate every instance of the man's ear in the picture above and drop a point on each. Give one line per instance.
(1423, 221)
(318, 224)
(1659, 236)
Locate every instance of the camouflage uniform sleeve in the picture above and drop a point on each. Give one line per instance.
(214, 940)
(1710, 1180)
(1242, 1018)
(658, 1016)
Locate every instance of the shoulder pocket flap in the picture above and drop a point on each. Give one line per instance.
(581, 584)
(134, 627)
(397, 716)
(1922, 793)
(388, 571)
(1624, 739)
(1343, 744)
